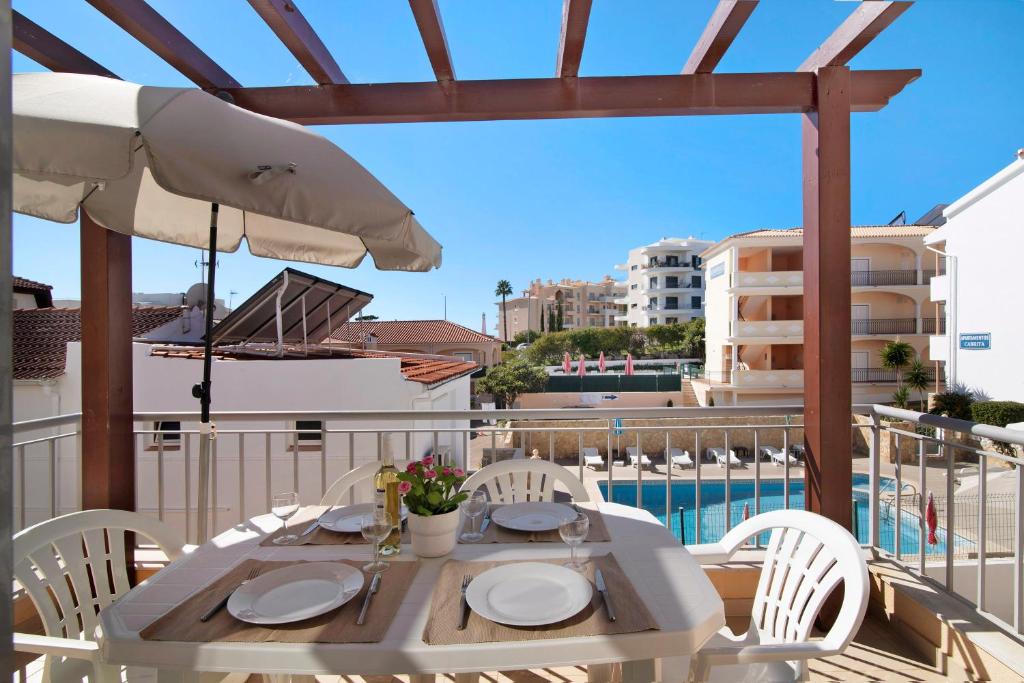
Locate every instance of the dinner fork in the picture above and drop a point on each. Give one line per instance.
(464, 616)
(253, 573)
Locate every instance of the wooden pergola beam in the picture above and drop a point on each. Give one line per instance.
(147, 26)
(826, 254)
(575, 17)
(428, 20)
(555, 98)
(287, 22)
(862, 26)
(38, 44)
(723, 27)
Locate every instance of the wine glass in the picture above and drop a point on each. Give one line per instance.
(284, 505)
(474, 507)
(574, 531)
(375, 528)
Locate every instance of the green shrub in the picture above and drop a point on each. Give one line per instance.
(997, 413)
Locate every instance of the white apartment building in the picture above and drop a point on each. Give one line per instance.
(754, 332)
(583, 304)
(664, 283)
(981, 240)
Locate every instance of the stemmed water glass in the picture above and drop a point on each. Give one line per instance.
(375, 528)
(574, 531)
(474, 508)
(284, 505)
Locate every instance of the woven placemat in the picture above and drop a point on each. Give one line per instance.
(632, 615)
(498, 534)
(304, 517)
(337, 626)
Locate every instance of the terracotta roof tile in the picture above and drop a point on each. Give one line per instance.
(26, 285)
(409, 332)
(40, 336)
(424, 370)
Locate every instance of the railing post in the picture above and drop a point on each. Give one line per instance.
(982, 531)
(874, 481)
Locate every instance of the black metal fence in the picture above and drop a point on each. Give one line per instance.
(876, 278)
(884, 326)
(614, 383)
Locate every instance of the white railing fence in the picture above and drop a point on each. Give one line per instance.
(256, 454)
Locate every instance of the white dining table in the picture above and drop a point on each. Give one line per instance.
(666, 577)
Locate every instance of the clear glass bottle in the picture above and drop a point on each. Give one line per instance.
(386, 496)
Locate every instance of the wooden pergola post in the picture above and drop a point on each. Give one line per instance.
(827, 381)
(108, 454)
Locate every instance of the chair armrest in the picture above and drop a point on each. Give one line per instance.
(709, 553)
(60, 647)
(775, 652)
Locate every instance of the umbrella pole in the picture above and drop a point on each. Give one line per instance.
(202, 391)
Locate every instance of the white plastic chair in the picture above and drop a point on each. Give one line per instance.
(520, 481)
(336, 491)
(680, 458)
(720, 456)
(592, 458)
(777, 456)
(57, 562)
(806, 559)
(637, 459)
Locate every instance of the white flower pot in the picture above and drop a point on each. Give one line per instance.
(436, 535)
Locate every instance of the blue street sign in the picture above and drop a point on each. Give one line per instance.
(976, 341)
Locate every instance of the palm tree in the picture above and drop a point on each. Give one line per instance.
(895, 356)
(503, 289)
(917, 379)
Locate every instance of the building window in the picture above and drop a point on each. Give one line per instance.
(653, 321)
(695, 281)
(170, 432)
(671, 282)
(671, 321)
(672, 260)
(465, 356)
(653, 284)
(695, 261)
(634, 267)
(671, 302)
(694, 302)
(633, 286)
(308, 432)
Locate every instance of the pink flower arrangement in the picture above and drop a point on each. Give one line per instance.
(431, 489)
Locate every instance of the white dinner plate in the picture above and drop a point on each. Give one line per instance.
(347, 519)
(294, 593)
(532, 516)
(529, 594)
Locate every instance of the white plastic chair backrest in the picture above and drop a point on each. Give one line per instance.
(365, 472)
(807, 557)
(591, 452)
(75, 565)
(520, 481)
(631, 451)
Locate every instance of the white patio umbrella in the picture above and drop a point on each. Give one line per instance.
(180, 165)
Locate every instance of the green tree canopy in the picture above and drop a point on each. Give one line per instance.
(512, 378)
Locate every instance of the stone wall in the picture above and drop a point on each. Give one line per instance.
(652, 442)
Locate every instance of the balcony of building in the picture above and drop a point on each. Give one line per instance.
(930, 617)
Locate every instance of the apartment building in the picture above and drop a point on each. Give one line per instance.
(976, 254)
(583, 304)
(664, 283)
(754, 334)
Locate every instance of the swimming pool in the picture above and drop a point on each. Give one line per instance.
(741, 493)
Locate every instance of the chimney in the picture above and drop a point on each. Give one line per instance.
(483, 323)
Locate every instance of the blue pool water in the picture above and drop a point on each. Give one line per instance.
(741, 492)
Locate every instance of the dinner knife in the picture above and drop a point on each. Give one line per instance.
(603, 590)
(316, 523)
(374, 587)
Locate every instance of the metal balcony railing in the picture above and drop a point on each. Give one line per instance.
(979, 554)
(928, 326)
(884, 278)
(885, 375)
(884, 326)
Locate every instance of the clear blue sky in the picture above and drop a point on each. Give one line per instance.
(518, 200)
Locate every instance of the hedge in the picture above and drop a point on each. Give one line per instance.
(997, 413)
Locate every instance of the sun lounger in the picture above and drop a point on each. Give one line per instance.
(637, 460)
(719, 455)
(592, 458)
(680, 458)
(777, 456)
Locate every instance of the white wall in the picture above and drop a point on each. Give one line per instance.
(164, 385)
(985, 233)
